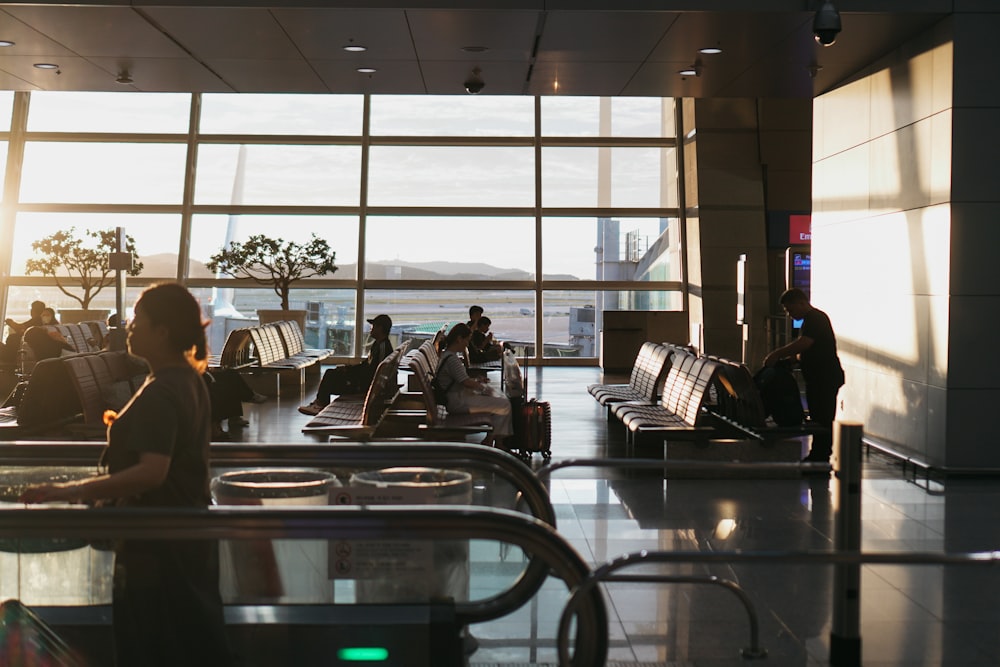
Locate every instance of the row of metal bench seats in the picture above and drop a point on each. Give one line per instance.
(67, 396)
(276, 346)
(82, 336)
(699, 399)
(357, 417)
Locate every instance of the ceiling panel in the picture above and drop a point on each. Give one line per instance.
(441, 35)
(322, 33)
(246, 75)
(164, 75)
(225, 32)
(501, 78)
(401, 77)
(602, 36)
(98, 31)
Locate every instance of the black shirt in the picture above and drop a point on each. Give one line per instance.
(819, 362)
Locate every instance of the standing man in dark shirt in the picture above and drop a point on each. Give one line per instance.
(816, 347)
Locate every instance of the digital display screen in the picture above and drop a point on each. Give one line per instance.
(801, 263)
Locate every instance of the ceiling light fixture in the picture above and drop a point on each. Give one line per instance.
(6, 42)
(46, 66)
(367, 70)
(354, 48)
(710, 50)
(475, 49)
(124, 77)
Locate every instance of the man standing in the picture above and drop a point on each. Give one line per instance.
(816, 347)
(357, 378)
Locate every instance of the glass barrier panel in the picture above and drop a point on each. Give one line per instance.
(617, 177)
(607, 117)
(611, 248)
(453, 115)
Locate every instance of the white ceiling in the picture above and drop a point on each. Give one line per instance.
(587, 47)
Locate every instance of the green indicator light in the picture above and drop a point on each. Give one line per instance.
(363, 654)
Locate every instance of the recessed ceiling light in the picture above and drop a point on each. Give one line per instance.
(688, 71)
(710, 50)
(475, 49)
(367, 70)
(4, 42)
(46, 66)
(355, 48)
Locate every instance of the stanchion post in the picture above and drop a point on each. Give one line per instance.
(845, 636)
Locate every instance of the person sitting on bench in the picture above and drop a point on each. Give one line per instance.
(482, 347)
(8, 351)
(467, 394)
(354, 379)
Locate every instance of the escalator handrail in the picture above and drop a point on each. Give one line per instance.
(546, 546)
(382, 454)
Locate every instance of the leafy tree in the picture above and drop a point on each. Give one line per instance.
(275, 262)
(80, 261)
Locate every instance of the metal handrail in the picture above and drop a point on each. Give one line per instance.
(489, 460)
(686, 466)
(342, 522)
(980, 558)
(606, 573)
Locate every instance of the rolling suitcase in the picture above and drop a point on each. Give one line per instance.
(532, 428)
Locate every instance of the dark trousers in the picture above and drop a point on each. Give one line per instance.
(344, 380)
(167, 607)
(822, 400)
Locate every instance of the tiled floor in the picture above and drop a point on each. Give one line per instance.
(910, 614)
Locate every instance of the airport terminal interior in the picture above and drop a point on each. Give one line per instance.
(596, 178)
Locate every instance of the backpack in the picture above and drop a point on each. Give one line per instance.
(779, 392)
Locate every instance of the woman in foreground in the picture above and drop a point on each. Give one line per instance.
(167, 607)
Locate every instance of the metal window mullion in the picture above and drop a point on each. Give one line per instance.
(362, 264)
(187, 200)
(11, 189)
(539, 283)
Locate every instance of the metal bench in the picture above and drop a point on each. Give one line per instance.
(645, 382)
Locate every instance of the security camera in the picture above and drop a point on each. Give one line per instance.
(475, 84)
(826, 24)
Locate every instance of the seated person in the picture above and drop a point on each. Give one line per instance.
(475, 312)
(13, 344)
(49, 316)
(117, 336)
(227, 391)
(357, 378)
(46, 344)
(482, 347)
(468, 395)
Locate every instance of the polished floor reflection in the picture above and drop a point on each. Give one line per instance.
(910, 614)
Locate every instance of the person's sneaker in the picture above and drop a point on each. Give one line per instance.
(258, 398)
(312, 409)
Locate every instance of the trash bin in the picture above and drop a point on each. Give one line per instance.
(292, 571)
(398, 571)
(50, 571)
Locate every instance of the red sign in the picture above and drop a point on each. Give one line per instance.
(799, 229)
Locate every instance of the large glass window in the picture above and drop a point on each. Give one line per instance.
(620, 177)
(451, 176)
(442, 198)
(281, 114)
(109, 112)
(612, 248)
(210, 233)
(422, 312)
(607, 117)
(278, 175)
(156, 235)
(453, 116)
(450, 248)
(109, 173)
